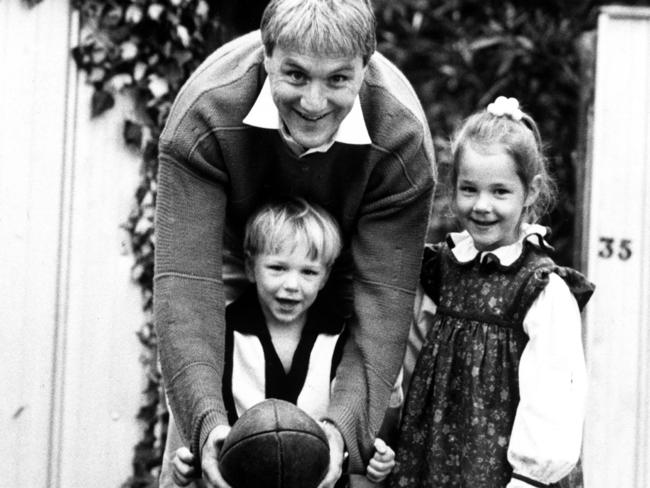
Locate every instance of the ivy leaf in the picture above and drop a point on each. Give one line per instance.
(101, 101)
(132, 133)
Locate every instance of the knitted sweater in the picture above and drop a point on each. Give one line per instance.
(213, 173)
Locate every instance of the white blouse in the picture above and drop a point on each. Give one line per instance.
(546, 436)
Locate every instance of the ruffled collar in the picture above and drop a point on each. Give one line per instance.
(463, 249)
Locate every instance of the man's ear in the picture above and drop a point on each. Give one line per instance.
(249, 265)
(533, 190)
(267, 60)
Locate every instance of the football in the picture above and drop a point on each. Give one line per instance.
(274, 444)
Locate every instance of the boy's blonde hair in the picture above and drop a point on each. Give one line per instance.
(282, 225)
(326, 27)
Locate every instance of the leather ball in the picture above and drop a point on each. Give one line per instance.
(274, 444)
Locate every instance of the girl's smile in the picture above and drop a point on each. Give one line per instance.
(490, 198)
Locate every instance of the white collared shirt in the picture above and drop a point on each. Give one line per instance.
(265, 115)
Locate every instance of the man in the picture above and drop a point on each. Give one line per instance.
(308, 109)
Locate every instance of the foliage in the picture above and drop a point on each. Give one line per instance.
(459, 54)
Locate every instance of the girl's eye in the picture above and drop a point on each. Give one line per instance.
(501, 192)
(467, 189)
(275, 267)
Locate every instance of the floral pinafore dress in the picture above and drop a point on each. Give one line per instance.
(464, 391)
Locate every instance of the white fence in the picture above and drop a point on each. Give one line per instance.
(69, 373)
(617, 440)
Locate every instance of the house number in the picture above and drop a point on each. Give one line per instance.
(610, 247)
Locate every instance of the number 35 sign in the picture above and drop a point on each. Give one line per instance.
(615, 248)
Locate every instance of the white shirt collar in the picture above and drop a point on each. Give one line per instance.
(464, 249)
(264, 114)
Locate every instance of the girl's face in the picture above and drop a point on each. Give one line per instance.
(490, 197)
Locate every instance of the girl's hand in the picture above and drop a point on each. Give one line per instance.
(382, 463)
(183, 470)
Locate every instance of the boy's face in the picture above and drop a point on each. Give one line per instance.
(313, 93)
(287, 284)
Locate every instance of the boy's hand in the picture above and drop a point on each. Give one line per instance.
(209, 454)
(382, 463)
(337, 447)
(183, 470)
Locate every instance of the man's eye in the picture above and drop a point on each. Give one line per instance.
(338, 79)
(296, 76)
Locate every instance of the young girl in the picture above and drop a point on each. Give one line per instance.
(497, 394)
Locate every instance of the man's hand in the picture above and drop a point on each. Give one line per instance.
(337, 447)
(382, 463)
(209, 454)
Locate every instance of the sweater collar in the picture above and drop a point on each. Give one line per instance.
(265, 115)
(463, 249)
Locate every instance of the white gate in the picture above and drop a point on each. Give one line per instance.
(69, 371)
(617, 450)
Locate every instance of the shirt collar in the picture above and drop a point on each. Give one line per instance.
(265, 115)
(464, 249)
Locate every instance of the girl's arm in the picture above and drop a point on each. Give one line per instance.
(547, 433)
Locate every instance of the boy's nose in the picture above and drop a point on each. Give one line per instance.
(290, 281)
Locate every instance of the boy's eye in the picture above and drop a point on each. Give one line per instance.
(311, 272)
(467, 189)
(275, 267)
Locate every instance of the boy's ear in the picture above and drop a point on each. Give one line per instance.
(249, 265)
(326, 277)
(533, 190)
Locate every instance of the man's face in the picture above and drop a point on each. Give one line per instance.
(313, 93)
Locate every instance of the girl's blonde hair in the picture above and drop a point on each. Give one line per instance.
(282, 225)
(326, 27)
(520, 139)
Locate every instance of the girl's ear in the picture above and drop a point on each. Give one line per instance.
(533, 190)
(249, 266)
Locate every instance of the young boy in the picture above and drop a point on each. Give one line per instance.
(281, 342)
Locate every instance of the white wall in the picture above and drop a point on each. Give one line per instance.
(69, 374)
(617, 451)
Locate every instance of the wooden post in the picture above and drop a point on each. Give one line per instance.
(70, 374)
(617, 249)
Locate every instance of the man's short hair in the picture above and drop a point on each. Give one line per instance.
(282, 225)
(327, 27)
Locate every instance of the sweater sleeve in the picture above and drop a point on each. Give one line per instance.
(188, 289)
(547, 432)
(387, 252)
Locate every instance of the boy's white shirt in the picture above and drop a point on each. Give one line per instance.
(546, 436)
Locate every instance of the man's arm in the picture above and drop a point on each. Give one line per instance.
(188, 291)
(387, 251)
